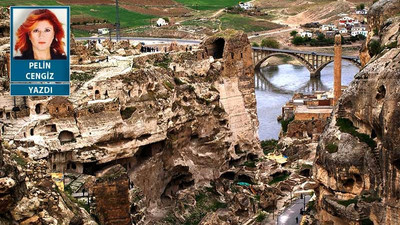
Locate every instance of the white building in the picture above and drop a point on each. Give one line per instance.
(346, 20)
(245, 5)
(306, 34)
(359, 31)
(343, 31)
(161, 22)
(362, 12)
(103, 31)
(328, 27)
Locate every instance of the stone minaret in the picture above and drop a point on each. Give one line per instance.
(337, 73)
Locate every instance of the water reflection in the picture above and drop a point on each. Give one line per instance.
(275, 85)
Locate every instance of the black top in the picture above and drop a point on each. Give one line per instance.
(29, 55)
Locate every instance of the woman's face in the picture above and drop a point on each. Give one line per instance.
(42, 35)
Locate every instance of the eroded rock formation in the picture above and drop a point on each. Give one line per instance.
(357, 164)
(174, 121)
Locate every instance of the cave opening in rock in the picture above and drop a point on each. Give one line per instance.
(381, 92)
(305, 172)
(373, 134)
(358, 179)
(51, 128)
(349, 183)
(230, 175)
(218, 48)
(8, 115)
(252, 157)
(1, 114)
(32, 132)
(181, 179)
(245, 178)
(3, 129)
(38, 108)
(396, 163)
(90, 168)
(145, 152)
(66, 136)
(97, 94)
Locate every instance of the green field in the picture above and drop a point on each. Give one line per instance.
(209, 4)
(247, 24)
(236, 22)
(103, 12)
(81, 33)
(107, 12)
(28, 2)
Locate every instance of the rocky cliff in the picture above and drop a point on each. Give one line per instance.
(175, 122)
(358, 158)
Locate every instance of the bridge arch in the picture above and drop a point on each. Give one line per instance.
(322, 66)
(301, 60)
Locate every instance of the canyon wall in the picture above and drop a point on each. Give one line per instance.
(358, 156)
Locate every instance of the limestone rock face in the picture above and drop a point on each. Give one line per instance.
(29, 196)
(358, 158)
(174, 121)
(383, 27)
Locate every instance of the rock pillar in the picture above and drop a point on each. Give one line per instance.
(112, 196)
(337, 73)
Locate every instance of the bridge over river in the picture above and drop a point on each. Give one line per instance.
(313, 61)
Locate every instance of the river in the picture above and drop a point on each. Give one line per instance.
(276, 85)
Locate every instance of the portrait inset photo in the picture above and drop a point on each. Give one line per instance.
(39, 33)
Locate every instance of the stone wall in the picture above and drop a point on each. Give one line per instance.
(112, 197)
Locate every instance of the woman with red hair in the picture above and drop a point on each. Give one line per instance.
(40, 37)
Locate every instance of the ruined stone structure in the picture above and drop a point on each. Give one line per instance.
(357, 164)
(175, 121)
(112, 197)
(337, 69)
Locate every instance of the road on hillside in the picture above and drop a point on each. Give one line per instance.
(146, 40)
(288, 217)
(273, 32)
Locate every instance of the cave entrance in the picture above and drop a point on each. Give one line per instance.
(97, 94)
(90, 168)
(51, 128)
(305, 172)
(396, 163)
(373, 134)
(245, 178)
(181, 179)
(228, 175)
(349, 183)
(38, 108)
(8, 115)
(66, 136)
(218, 48)
(145, 152)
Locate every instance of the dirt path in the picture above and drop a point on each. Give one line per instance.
(217, 13)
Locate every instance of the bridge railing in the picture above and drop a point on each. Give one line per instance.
(302, 52)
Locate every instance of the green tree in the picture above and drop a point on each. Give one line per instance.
(293, 33)
(298, 40)
(321, 37)
(270, 43)
(374, 47)
(255, 44)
